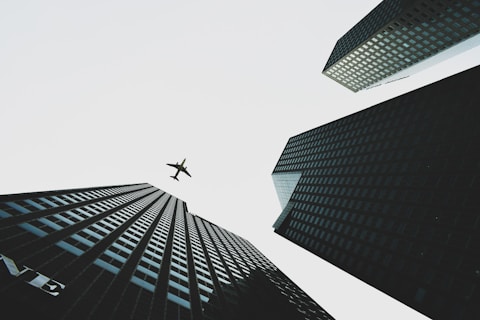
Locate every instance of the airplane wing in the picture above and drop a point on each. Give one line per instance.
(185, 170)
(173, 165)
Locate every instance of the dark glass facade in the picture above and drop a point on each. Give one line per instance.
(398, 34)
(133, 252)
(391, 195)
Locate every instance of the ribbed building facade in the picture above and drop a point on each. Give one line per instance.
(391, 195)
(398, 34)
(133, 252)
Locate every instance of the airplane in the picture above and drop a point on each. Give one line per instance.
(179, 168)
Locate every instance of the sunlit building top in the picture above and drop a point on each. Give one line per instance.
(401, 37)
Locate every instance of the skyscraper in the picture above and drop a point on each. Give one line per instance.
(390, 194)
(400, 37)
(133, 252)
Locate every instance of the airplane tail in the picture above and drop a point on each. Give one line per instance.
(174, 178)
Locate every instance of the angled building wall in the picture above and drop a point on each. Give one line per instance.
(391, 195)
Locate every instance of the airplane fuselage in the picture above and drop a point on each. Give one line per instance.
(180, 168)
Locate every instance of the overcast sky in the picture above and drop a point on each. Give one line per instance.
(97, 93)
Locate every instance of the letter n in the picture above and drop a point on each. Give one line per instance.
(12, 267)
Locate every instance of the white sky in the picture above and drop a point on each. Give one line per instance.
(96, 93)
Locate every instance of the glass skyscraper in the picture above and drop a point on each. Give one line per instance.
(133, 252)
(398, 34)
(391, 195)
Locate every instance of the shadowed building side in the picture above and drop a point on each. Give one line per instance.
(391, 195)
(132, 252)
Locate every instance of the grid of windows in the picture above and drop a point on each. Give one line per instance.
(115, 256)
(146, 273)
(202, 271)
(136, 252)
(178, 290)
(389, 194)
(373, 51)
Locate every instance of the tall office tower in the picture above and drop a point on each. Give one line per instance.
(133, 252)
(390, 194)
(401, 37)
